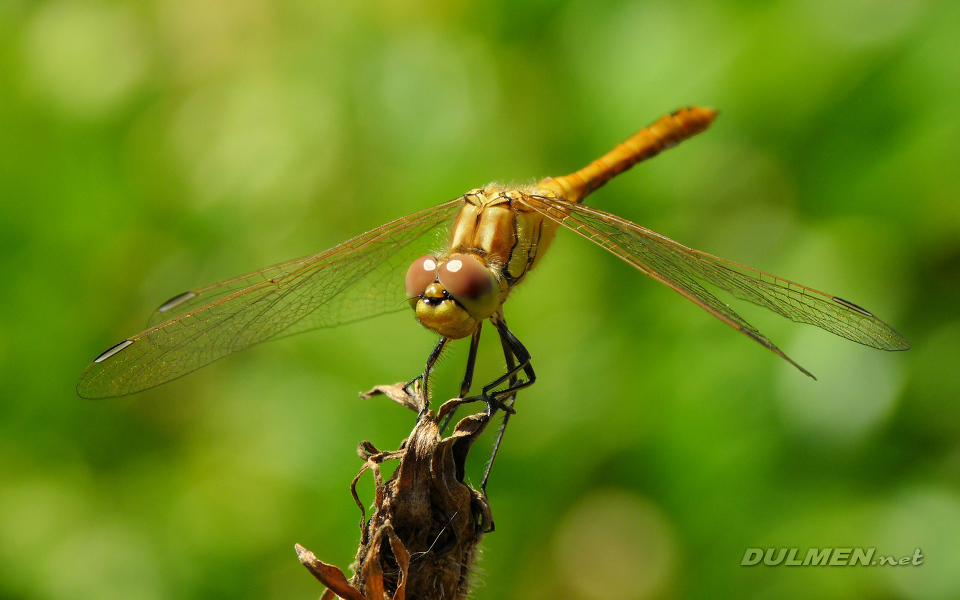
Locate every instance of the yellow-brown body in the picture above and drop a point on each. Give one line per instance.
(499, 235)
(509, 237)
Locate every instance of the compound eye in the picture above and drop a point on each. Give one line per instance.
(471, 283)
(421, 273)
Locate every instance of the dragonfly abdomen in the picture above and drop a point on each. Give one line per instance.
(666, 132)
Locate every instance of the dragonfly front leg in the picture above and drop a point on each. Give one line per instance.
(494, 400)
(471, 362)
(467, 376)
(425, 378)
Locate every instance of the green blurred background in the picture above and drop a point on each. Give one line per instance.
(150, 147)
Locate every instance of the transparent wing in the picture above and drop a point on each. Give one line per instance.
(683, 269)
(193, 299)
(360, 278)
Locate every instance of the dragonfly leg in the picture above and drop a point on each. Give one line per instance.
(511, 366)
(467, 376)
(471, 362)
(511, 348)
(431, 361)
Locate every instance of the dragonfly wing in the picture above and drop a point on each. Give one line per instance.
(195, 298)
(683, 269)
(360, 278)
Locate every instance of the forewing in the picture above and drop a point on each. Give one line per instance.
(193, 299)
(360, 278)
(683, 269)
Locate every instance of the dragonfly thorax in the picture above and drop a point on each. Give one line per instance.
(452, 296)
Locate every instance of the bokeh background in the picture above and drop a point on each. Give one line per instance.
(150, 147)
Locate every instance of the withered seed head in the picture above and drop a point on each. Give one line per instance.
(421, 540)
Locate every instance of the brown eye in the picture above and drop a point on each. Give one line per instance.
(421, 273)
(471, 283)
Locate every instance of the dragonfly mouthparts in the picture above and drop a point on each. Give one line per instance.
(434, 295)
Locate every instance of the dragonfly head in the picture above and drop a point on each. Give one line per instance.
(452, 296)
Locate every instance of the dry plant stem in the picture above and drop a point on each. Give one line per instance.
(421, 539)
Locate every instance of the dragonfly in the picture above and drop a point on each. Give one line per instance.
(456, 264)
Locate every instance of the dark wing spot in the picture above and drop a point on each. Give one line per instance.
(176, 301)
(113, 350)
(849, 304)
